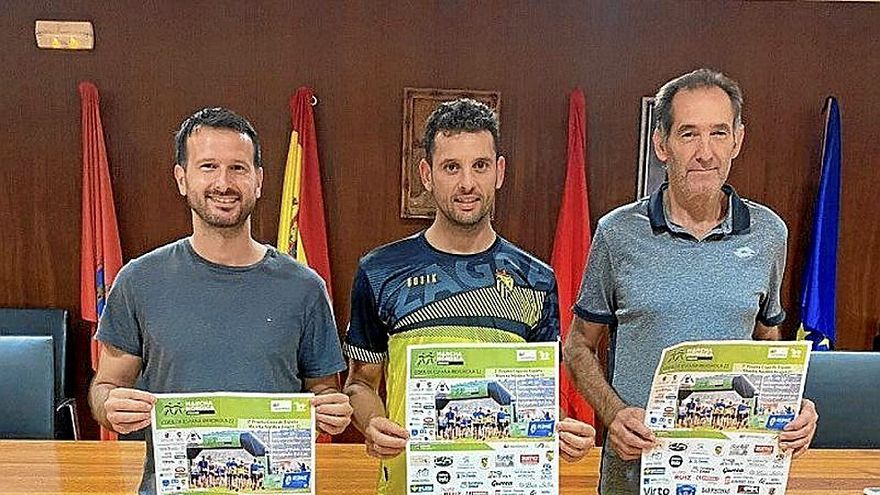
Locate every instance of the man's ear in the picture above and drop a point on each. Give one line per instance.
(180, 179)
(259, 191)
(500, 166)
(739, 135)
(425, 174)
(660, 146)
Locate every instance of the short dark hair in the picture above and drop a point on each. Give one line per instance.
(700, 78)
(218, 118)
(462, 115)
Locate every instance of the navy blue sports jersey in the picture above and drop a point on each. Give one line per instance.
(408, 293)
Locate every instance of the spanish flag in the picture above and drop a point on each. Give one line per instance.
(572, 244)
(101, 253)
(302, 231)
(819, 291)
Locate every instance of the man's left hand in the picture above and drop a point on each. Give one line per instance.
(332, 412)
(797, 435)
(576, 438)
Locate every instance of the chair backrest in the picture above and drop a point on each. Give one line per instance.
(846, 389)
(27, 386)
(52, 322)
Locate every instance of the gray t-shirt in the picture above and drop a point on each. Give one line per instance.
(200, 327)
(655, 285)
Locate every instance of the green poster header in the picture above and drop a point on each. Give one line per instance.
(461, 361)
(209, 410)
(745, 356)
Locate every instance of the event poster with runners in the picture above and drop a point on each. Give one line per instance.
(482, 418)
(717, 408)
(234, 443)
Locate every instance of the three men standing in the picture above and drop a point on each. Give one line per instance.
(219, 311)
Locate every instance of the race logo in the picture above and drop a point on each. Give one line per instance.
(198, 407)
(450, 358)
(172, 408)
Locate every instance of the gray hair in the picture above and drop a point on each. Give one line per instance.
(700, 78)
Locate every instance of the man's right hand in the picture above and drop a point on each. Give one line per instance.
(629, 435)
(128, 409)
(384, 438)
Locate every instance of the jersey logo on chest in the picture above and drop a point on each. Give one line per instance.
(428, 278)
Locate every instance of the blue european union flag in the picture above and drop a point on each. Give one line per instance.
(818, 297)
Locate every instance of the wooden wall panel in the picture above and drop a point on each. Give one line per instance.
(155, 62)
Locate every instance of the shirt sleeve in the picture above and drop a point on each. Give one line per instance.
(547, 329)
(367, 337)
(595, 302)
(770, 312)
(319, 351)
(118, 325)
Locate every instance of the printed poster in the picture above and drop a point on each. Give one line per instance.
(717, 408)
(234, 443)
(482, 419)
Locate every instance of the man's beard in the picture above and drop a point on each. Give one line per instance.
(220, 221)
(467, 221)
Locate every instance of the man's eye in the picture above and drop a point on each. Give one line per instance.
(481, 165)
(451, 167)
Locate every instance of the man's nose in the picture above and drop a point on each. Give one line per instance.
(704, 150)
(466, 180)
(222, 179)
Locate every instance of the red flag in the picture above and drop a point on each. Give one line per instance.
(302, 231)
(572, 244)
(101, 254)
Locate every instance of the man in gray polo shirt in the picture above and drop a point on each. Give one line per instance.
(692, 261)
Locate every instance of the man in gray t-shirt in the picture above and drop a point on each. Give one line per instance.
(216, 311)
(693, 261)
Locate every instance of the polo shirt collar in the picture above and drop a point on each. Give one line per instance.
(737, 213)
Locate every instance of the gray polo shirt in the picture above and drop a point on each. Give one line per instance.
(655, 285)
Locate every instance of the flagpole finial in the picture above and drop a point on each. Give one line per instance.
(828, 101)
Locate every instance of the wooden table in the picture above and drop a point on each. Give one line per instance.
(41, 467)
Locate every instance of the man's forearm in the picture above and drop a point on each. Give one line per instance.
(763, 332)
(98, 393)
(366, 404)
(323, 385)
(586, 373)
